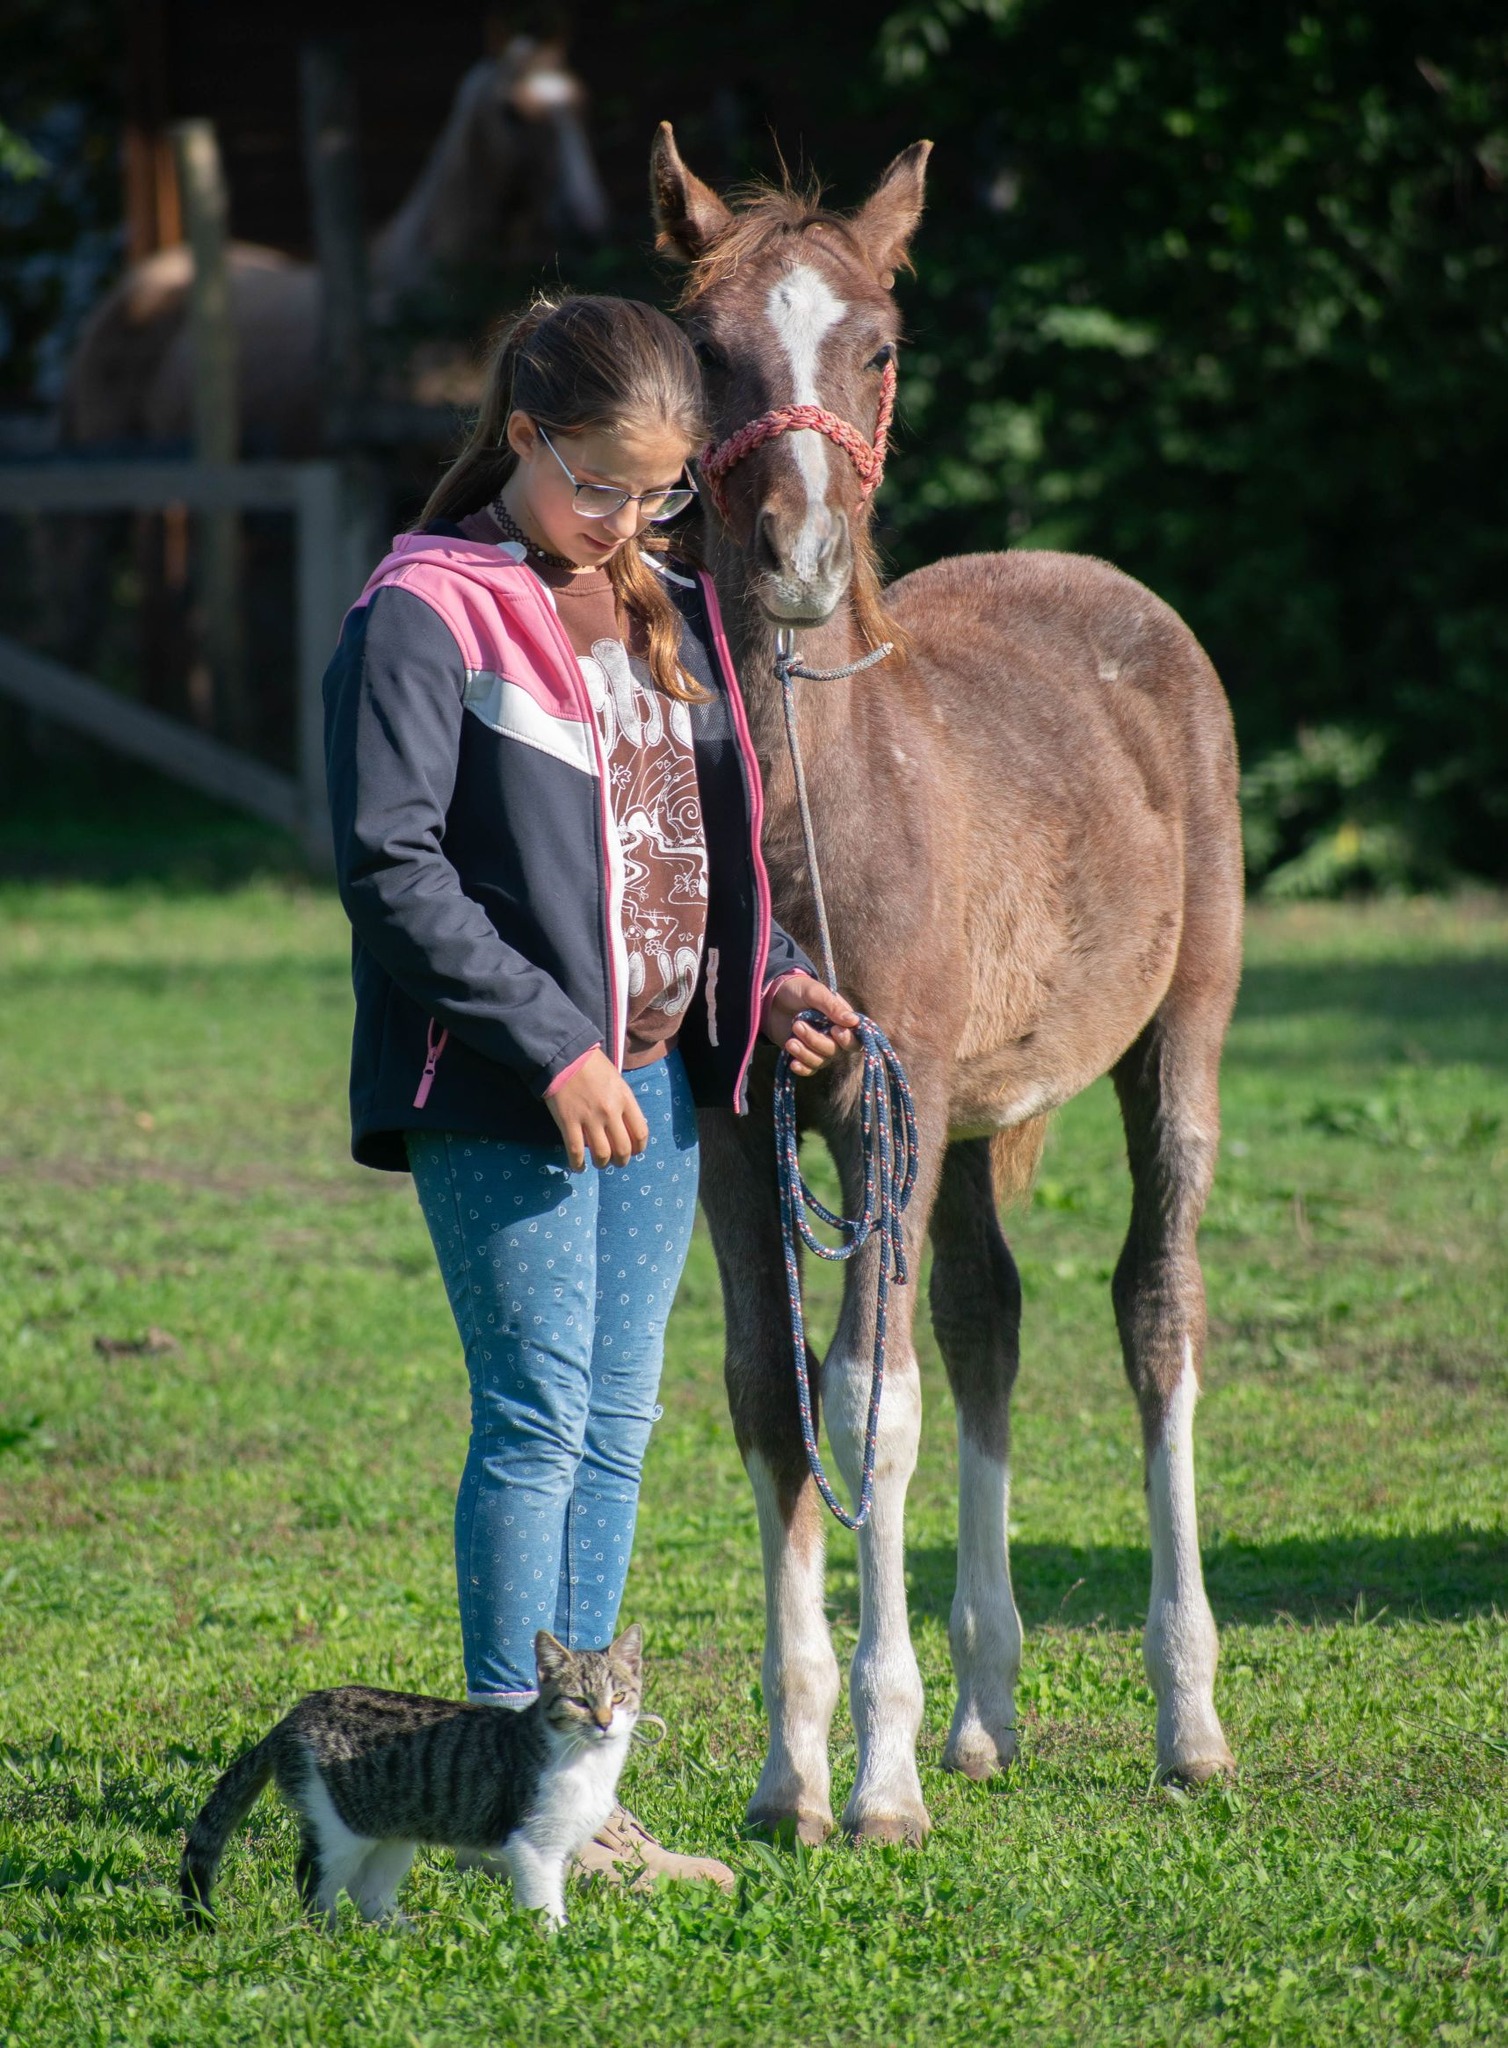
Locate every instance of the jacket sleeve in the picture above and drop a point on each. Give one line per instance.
(393, 711)
(785, 957)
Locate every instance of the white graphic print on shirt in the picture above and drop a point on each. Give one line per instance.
(657, 808)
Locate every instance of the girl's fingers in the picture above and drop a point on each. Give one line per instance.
(620, 1139)
(817, 1040)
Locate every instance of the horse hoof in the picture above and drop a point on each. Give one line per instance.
(1196, 1771)
(976, 1764)
(904, 1830)
(979, 1757)
(786, 1829)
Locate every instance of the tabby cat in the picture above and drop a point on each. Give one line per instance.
(372, 1775)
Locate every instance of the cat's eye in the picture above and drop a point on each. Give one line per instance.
(574, 1699)
(619, 1698)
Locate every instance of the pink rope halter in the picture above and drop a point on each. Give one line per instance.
(717, 458)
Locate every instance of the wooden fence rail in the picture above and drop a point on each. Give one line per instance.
(335, 545)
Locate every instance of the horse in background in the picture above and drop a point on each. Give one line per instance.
(511, 177)
(1027, 824)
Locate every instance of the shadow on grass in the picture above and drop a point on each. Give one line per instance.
(1453, 1007)
(1443, 1576)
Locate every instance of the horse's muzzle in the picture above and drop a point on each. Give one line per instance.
(803, 566)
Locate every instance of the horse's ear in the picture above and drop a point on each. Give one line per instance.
(887, 220)
(689, 216)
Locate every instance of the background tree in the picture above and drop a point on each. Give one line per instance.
(1223, 298)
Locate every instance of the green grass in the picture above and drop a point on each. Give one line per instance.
(190, 1538)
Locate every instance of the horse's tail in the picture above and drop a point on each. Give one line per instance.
(1015, 1156)
(222, 1813)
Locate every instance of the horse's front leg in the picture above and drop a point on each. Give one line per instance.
(885, 1686)
(799, 1671)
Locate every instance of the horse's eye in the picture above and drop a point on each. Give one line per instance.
(882, 357)
(707, 355)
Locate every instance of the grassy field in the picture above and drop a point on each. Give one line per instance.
(192, 1535)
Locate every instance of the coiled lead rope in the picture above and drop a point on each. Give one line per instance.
(888, 1144)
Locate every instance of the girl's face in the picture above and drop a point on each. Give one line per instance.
(539, 494)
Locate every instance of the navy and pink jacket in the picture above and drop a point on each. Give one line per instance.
(479, 863)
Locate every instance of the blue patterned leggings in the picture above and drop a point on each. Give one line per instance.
(561, 1286)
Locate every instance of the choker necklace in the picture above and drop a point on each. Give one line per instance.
(514, 531)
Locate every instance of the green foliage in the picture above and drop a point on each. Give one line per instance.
(60, 198)
(18, 159)
(190, 1537)
(1224, 299)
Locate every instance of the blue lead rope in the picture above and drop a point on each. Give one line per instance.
(887, 1131)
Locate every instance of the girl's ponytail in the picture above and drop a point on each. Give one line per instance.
(577, 365)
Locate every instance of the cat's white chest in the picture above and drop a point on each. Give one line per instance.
(576, 1794)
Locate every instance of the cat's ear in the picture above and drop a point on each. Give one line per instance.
(550, 1656)
(628, 1650)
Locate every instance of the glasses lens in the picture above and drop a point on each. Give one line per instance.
(668, 506)
(599, 501)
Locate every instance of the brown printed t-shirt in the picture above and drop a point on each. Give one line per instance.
(646, 737)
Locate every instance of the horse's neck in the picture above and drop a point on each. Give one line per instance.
(431, 219)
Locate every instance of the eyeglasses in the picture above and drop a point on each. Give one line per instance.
(601, 501)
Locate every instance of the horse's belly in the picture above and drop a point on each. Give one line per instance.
(1034, 1040)
(995, 1092)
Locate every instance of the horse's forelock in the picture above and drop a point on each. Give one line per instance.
(771, 219)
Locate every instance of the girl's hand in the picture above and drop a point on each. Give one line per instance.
(598, 1113)
(809, 1048)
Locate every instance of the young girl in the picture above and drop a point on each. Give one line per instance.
(546, 811)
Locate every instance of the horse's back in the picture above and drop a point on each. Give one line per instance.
(1068, 620)
(1089, 758)
(1084, 670)
(131, 375)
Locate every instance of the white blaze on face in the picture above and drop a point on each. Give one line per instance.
(803, 309)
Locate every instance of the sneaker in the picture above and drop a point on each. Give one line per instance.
(624, 1852)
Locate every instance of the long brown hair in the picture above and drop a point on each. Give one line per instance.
(583, 365)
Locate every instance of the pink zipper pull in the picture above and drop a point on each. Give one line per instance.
(433, 1049)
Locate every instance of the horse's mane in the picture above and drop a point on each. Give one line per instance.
(766, 214)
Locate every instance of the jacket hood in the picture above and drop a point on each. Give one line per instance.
(495, 566)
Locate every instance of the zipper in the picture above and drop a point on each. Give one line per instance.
(433, 1049)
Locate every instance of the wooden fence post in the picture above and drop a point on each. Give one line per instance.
(216, 418)
(331, 571)
(333, 170)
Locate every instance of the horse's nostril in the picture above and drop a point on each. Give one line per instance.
(767, 550)
(831, 554)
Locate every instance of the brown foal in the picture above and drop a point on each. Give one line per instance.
(1027, 826)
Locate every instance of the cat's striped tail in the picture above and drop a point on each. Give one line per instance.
(222, 1813)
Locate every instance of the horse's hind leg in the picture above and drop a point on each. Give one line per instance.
(1168, 1088)
(976, 1316)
